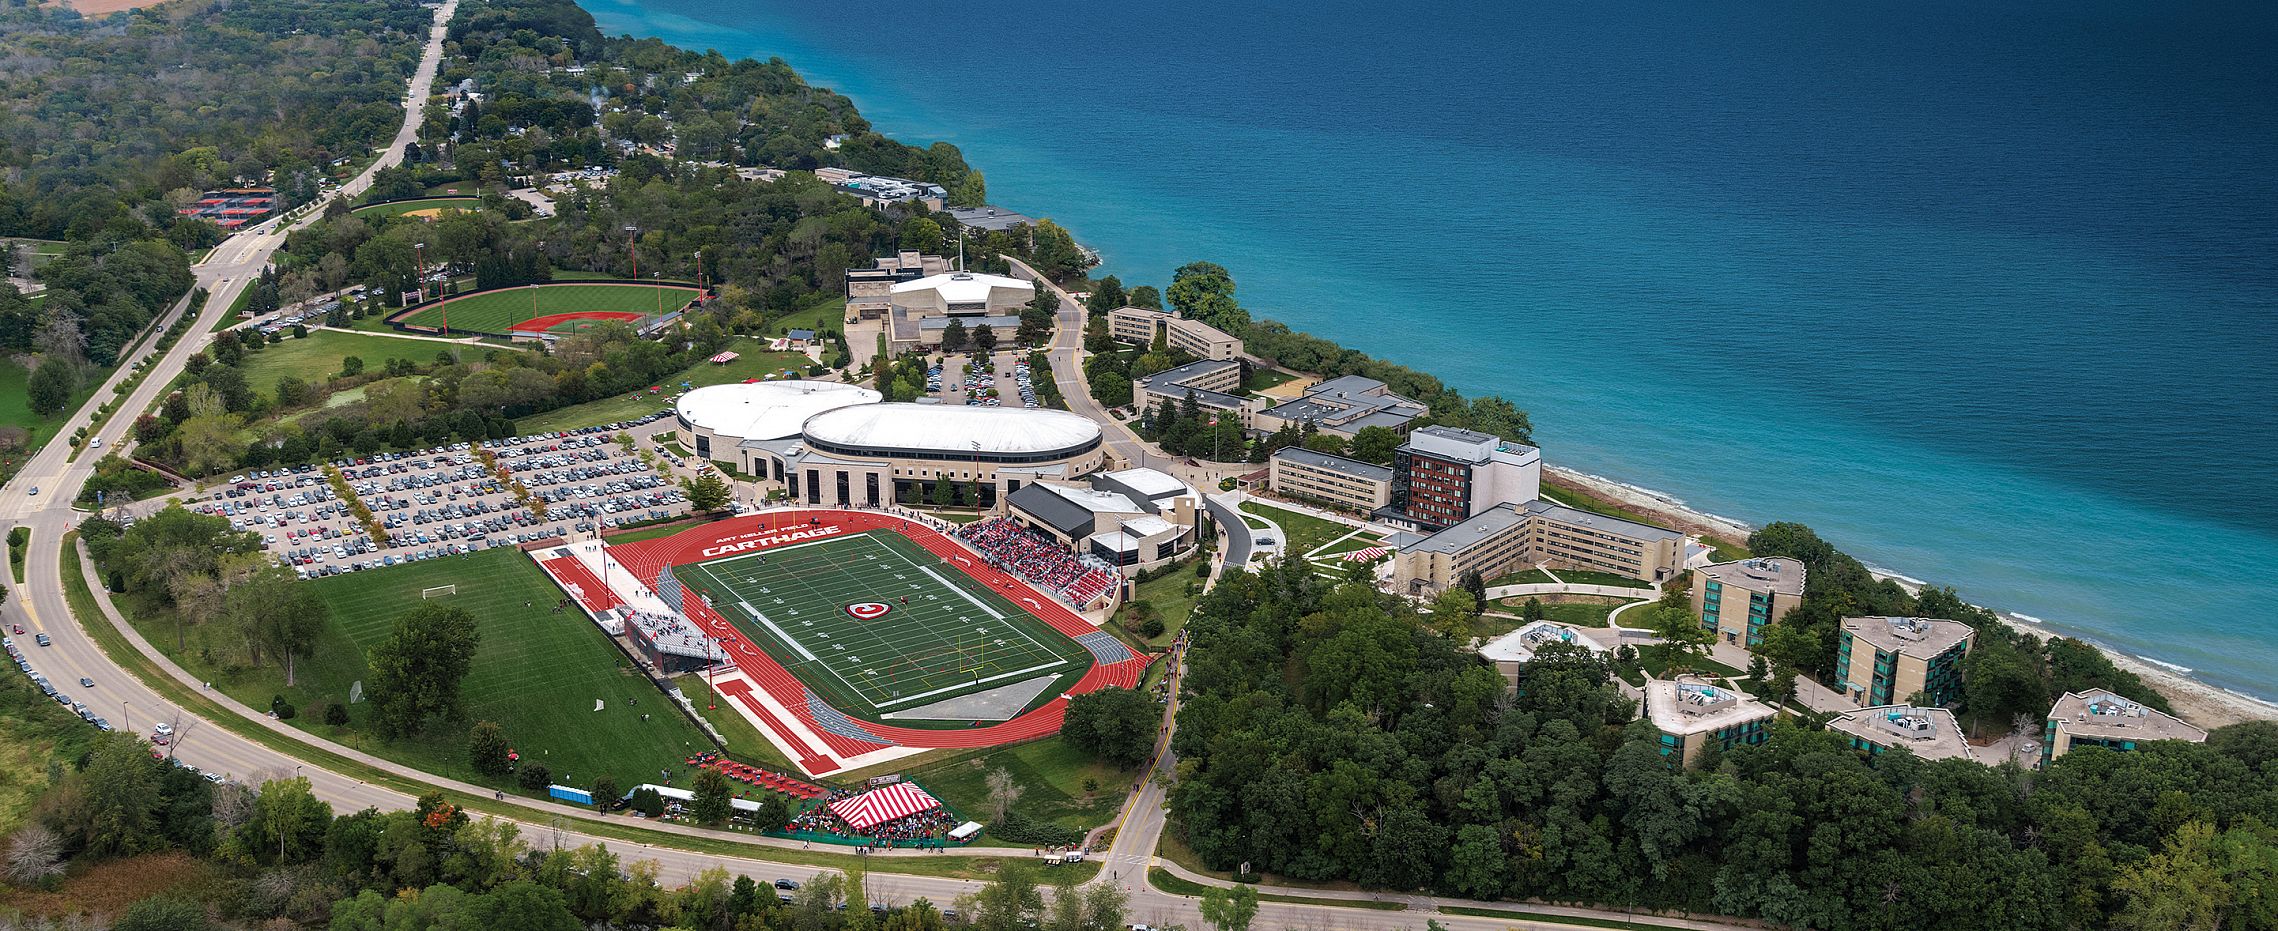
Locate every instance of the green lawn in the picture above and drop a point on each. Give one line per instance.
(1594, 577)
(1168, 595)
(499, 311)
(1528, 577)
(824, 315)
(1516, 914)
(316, 357)
(1578, 612)
(1304, 532)
(16, 404)
(401, 207)
(1352, 544)
(1050, 773)
(745, 742)
(1657, 659)
(1172, 883)
(1263, 378)
(537, 673)
(754, 361)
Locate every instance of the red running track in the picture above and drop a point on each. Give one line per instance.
(764, 531)
(579, 580)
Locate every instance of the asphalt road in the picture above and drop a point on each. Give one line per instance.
(39, 605)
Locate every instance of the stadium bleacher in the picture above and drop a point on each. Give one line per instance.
(1042, 561)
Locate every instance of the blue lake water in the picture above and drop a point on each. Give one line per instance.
(1985, 292)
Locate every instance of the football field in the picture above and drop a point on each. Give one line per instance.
(876, 624)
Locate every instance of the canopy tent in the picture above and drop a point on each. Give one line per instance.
(878, 806)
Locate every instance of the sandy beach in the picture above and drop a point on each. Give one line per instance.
(2195, 701)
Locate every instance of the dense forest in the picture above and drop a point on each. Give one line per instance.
(1331, 734)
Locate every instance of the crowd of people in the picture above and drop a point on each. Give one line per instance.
(1043, 562)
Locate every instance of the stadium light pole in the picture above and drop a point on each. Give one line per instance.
(533, 286)
(633, 249)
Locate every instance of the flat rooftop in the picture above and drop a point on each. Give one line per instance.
(1923, 637)
(2104, 714)
(1687, 705)
(1485, 525)
(1931, 733)
(1551, 510)
(1776, 575)
(1339, 464)
(1519, 646)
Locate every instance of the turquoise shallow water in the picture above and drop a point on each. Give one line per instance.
(1983, 292)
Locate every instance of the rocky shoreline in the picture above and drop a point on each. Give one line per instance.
(2197, 702)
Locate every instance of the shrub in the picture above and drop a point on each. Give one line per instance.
(535, 777)
(1018, 828)
(335, 714)
(646, 801)
(1151, 628)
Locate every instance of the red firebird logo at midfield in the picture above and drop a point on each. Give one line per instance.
(868, 610)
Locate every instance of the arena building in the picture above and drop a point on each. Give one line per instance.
(718, 418)
(869, 455)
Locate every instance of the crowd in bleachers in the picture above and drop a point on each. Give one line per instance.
(1078, 578)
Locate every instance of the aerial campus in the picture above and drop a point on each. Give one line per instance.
(583, 482)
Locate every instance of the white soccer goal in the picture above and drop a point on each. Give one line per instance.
(426, 593)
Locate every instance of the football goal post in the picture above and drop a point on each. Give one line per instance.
(426, 593)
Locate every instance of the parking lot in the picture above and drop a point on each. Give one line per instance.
(443, 501)
(992, 380)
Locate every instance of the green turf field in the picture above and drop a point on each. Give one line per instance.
(316, 357)
(401, 207)
(499, 311)
(537, 673)
(952, 637)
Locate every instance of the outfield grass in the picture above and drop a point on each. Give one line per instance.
(401, 207)
(315, 358)
(753, 361)
(1051, 775)
(499, 311)
(937, 639)
(1302, 533)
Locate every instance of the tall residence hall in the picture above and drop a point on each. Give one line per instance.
(1692, 714)
(1739, 599)
(1443, 476)
(1892, 659)
(834, 444)
(1141, 325)
(1929, 733)
(2101, 718)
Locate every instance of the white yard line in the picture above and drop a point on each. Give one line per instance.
(983, 681)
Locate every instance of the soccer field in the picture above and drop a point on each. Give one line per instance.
(498, 311)
(879, 625)
(538, 673)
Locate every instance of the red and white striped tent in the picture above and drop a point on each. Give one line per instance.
(879, 806)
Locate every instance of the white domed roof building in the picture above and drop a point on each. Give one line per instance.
(719, 418)
(831, 444)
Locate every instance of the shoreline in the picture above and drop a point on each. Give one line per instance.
(2201, 703)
